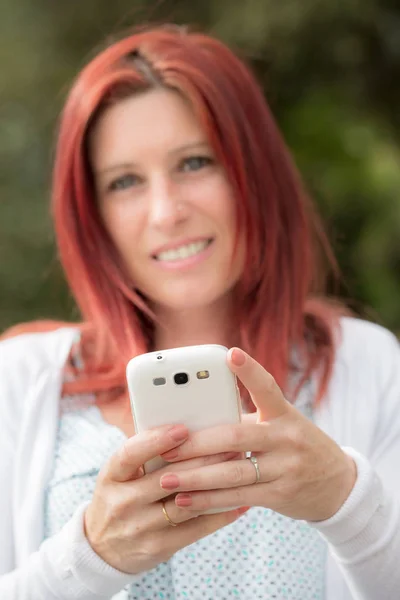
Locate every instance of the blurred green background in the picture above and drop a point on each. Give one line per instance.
(330, 70)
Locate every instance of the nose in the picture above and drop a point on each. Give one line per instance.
(166, 209)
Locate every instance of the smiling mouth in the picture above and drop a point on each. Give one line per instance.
(186, 251)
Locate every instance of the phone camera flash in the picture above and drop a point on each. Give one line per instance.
(159, 381)
(203, 374)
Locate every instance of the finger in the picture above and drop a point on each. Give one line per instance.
(194, 529)
(140, 448)
(174, 515)
(163, 514)
(234, 473)
(241, 437)
(148, 489)
(203, 501)
(249, 418)
(263, 389)
(170, 515)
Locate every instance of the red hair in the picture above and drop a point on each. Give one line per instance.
(277, 296)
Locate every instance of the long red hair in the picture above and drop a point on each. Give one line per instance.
(280, 297)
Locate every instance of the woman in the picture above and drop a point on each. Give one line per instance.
(181, 220)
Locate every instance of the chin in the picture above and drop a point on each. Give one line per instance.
(193, 298)
(191, 302)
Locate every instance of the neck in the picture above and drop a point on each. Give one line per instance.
(193, 326)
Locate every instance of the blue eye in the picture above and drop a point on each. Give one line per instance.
(124, 182)
(195, 163)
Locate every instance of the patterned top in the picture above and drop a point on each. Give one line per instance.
(260, 555)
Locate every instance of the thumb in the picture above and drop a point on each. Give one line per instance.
(263, 389)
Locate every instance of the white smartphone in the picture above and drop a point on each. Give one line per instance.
(191, 385)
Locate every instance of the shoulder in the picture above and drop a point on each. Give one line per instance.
(47, 348)
(30, 371)
(366, 371)
(356, 330)
(361, 344)
(364, 389)
(25, 356)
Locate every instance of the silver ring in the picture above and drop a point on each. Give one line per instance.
(254, 462)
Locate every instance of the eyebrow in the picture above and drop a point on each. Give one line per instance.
(129, 165)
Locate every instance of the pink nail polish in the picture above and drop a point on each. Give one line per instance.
(232, 455)
(183, 500)
(169, 482)
(238, 357)
(179, 433)
(171, 454)
(243, 509)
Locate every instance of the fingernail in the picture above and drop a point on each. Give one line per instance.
(169, 482)
(171, 454)
(183, 500)
(242, 510)
(232, 455)
(238, 357)
(179, 433)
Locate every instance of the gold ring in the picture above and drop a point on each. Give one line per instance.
(166, 515)
(254, 462)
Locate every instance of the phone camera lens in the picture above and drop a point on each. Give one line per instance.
(159, 357)
(181, 378)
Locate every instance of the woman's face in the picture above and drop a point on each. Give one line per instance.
(165, 201)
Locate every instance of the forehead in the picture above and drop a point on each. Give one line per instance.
(150, 123)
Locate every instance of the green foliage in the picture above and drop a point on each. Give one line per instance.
(330, 70)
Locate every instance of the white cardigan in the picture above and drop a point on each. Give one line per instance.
(361, 412)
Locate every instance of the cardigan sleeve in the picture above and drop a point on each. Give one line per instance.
(64, 567)
(364, 535)
(9, 417)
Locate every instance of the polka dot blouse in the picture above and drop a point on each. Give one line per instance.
(261, 555)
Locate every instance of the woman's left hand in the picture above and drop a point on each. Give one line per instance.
(304, 474)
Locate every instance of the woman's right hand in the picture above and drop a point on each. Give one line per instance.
(125, 524)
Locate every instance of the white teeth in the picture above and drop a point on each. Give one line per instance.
(183, 251)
